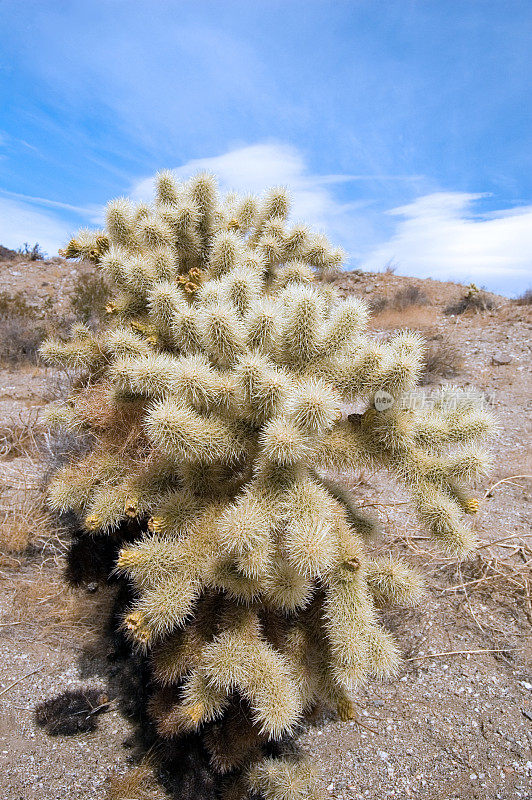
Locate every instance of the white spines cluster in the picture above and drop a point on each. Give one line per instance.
(215, 396)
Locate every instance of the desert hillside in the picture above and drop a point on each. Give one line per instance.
(456, 723)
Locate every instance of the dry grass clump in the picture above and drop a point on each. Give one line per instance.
(56, 611)
(15, 534)
(415, 318)
(500, 568)
(442, 359)
(410, 295)
(475, 300)
(136, 784)
(508, 572)
(40, 601)
(23, 516)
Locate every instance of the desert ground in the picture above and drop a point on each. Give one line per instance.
(457, 720)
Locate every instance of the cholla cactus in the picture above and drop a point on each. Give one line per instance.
(217, 400)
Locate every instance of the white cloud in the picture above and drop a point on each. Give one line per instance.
(439, 237)
(436, 235)
(255, 168)
(90, 212)
(21, 223)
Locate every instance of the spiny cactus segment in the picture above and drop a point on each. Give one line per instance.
(216, 397)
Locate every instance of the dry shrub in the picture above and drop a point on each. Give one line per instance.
(410, 295)
(137, 784)
(21, 332)
(94, 405)
(34, 253)
(442, 359)
(57, 448)
(475, 300)
(89, 296)
(23, 327)
(525, 299)
(18, 435)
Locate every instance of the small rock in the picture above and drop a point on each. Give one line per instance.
(499, 359)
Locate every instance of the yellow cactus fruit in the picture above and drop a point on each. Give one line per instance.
(131, 507)
(471, 506)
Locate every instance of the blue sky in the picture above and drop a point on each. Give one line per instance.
(403, 127)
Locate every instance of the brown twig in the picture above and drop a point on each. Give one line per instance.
(479, 626)
(504, 480)
(471, 583)
(23, 678)
(363, 725)
(465, 652)
(505, 539)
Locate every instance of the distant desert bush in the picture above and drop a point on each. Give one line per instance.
(23, 327)
(89, 297)
(34, 253)
(21, 332)
(410, 295)
(525, 299)
(474, 299)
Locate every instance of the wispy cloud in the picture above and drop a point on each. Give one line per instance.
(438, 235)
(20, 223)
(93, 213)
(254, 168)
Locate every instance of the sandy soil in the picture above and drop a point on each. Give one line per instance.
(451, 725)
